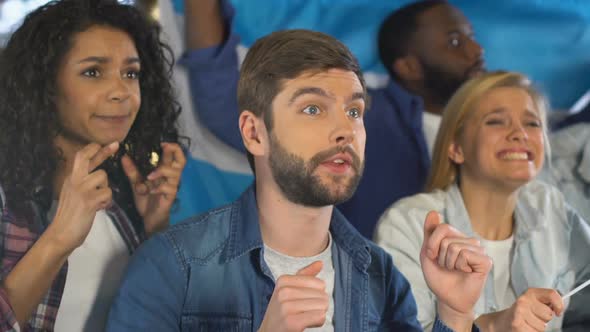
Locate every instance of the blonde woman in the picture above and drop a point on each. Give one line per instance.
(490, 147)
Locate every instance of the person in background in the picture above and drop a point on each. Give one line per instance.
(429, 49)
(85, 104)
(569, 166)
(490, 149)
(281, 258)
(568, 169)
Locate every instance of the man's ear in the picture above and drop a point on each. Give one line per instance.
(254, 133)
(456, 153)
(408, 68)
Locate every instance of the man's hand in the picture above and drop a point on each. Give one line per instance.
(455, 268)
(83, 192)
(531, 312)
(155, 194)
(299, 301)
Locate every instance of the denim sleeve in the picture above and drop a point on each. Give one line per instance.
(401, 312)
(439, 326)
(213, 75)
(152, 293)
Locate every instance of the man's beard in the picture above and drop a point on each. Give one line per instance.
(296, 180)
(440, 84)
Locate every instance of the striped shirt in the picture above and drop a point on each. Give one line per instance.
(17, 236)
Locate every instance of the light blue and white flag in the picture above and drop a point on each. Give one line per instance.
(547, 40)
(215, 174)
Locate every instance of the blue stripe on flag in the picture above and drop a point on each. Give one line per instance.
(204, 187)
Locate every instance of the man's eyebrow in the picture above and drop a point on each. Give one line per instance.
(308, 90)
(461, 30)
(104, 59)
(321, 92)
(356, 96)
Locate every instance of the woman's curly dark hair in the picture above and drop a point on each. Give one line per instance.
(28, 117)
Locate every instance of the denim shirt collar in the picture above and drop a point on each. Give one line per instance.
(526, 218)
(349, 240)
(245, 234)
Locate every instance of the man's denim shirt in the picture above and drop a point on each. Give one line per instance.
(208, 274)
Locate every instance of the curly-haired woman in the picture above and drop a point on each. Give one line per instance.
(85, 104)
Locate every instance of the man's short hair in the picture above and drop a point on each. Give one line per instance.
(396, 32)
(284, 55)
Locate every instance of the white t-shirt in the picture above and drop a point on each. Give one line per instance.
(281, 264)
(430, 125)
(95, 270)
(501, 252)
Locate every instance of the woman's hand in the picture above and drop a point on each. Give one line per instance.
(455, 268)
(530, 312)
(155, 194)
(83, 192)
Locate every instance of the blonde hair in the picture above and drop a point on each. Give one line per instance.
(443, 170)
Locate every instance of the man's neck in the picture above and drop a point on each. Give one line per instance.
(433, 108)
(430, 103)
(289, 228)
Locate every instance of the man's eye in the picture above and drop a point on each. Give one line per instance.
(354, 113)
(312, 110)
(454, 42)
